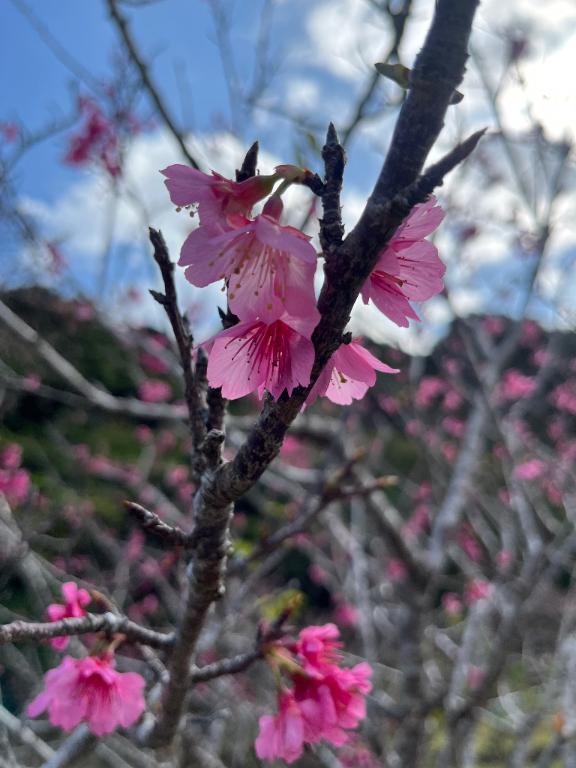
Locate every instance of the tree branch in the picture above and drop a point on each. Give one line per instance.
(150, 522)
(349, 267)
(194, 391)
(110, 623)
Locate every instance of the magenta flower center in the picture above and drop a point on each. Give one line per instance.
(266, 348)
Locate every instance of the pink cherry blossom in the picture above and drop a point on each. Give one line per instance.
(516, 385)
(475, 676)
(335, 700)
(429, 388)
(318, 575)
(453, 426)
(396, 570)
(418, 521)
(154, 391)
(348, 375)
(347, 615)
(325, 701)
(75, 601)
(408, 269)
(216, 196)
(564, 396)
(11, 456)
(476, 590)
(452, 604)
(254, 356)
(90, 691)
(295, 452)
(530, 470)
(97, 140)
(269, 267)
(468, 543)
(504, 559)
(282, 735)
(32, 382)
(15, 485)
(153, 363)
(319, 646)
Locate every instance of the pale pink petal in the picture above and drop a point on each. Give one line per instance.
(283, 238)
(185, 184)
(389, 299)
(131, 702)
(422, 221)
(56, 612)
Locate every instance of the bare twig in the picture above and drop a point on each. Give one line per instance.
(194, 396)
(150, 522)
(331, 226)
(122, 27)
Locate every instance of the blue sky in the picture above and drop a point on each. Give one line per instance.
(324, 51)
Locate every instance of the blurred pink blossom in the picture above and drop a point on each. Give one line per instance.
(154, 391)
(476, 590)
(75, 601)
(515, 385)
(10, 131)
(530, 470)
(32, 382)
(90, 690)
(11, 456)
(504, 559)
(429, 388)
(153, 363)
(396, 570)
(346, 615)
(452, 604)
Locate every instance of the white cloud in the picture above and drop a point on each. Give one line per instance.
(346, 36)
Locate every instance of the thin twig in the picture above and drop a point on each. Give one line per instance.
(331, 226)
(150, 522)
(112, 624)
(122, 27)
(195, 398)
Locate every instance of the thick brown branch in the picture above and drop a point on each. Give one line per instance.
(436, 74)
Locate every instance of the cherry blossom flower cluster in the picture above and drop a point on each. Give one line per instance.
(87, 690)
(99, 137)
(269, 268)
(321, 700)
(96, 140)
